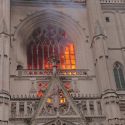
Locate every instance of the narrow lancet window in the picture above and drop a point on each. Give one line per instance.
(119, 76)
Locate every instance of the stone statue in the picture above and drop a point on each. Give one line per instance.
(53, 59)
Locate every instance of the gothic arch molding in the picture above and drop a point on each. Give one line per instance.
(42, 18)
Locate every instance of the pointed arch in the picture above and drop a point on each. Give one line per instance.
(118, 70)
(57, 101)
(42, 18)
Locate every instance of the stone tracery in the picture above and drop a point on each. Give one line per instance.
(47, 42)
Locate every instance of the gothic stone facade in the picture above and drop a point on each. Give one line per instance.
(62, 62)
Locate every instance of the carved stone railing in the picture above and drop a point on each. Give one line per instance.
(24, 107)
(112, 1)
(102, 1)
(65, 75)
(81, 1)
(75, 72)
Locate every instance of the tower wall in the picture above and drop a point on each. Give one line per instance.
(99, 41)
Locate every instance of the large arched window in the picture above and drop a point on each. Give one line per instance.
(119, 76)
(49, 42)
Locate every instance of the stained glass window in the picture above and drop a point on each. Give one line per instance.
(119, 76)
(47, 43)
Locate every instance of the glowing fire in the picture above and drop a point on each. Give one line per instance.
(40, 60)
(68, 57)
(49, 100)
(40, 93)
(62, 100)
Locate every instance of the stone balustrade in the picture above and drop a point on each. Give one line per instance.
(83, 1)
(24, 107)
(103, 1)
(73, 95)
(48, 72)
(112, 1)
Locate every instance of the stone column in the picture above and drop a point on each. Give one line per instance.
(95, 108)
(25, 108)
(17, 109)
(4, 60)
(100, 52)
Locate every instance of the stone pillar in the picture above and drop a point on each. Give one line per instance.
(17, 109)
(25, 108)
(4, 60)
(100, 52)
(95, 108)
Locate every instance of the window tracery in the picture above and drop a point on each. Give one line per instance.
(43, 86)
(51, 41)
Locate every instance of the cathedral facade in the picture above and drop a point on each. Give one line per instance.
(62, 62)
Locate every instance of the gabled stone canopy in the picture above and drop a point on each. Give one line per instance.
(56, 112)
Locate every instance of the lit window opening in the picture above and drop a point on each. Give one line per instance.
(39, 52)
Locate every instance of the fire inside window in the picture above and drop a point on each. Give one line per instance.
(38, 58)
(38, 53)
